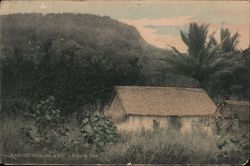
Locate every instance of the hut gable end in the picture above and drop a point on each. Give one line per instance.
(116, 110)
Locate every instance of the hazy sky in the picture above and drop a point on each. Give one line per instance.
(159, 22)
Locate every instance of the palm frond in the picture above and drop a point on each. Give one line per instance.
(196, 38)
(212, 41)
(184, 38)
(207, 61)
(229, 42)
(235, 41)
(175, 50)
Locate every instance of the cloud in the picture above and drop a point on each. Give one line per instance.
(144, 26)
(175, 21)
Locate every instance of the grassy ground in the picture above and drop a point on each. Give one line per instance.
(160, 146)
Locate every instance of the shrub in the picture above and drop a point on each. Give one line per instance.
(98, 130)
(233, 144)
(50, 133)
(48, 130)
(16, 107)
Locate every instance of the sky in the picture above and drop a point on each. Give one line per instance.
(159, 22)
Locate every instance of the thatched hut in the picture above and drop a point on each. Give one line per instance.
(236, 109)
(136, 107)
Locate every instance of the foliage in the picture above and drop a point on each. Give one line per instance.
(233, 140)
(162, 146)
(62, 68)
(10, 140)
(16, 108)
(230, 42)
(230, 149)
(97, 130)
(88, 30)
(77, 64)
(236, 85)
(48, 128)
(204, 62)
(168, 146)
(151, 147)
(47, 116)
(50, 133)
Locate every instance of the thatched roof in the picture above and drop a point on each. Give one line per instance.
(238, 103)
(161, 101)
(240, 109)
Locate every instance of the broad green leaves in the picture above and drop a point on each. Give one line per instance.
(48, 126)
(97, 130)
(50, 131)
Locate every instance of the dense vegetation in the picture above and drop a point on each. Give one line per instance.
(78, 63)
(79, 58)
(56, 65)
(75, 58)
(161, 146)
(219, 67)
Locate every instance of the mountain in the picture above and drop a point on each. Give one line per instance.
(87, 30)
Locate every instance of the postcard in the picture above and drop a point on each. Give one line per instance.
(125, 82)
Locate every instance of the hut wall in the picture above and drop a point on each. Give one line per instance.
(187, 123)
(240, 111)
(135, 122)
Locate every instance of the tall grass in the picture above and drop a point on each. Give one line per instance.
(10, 140)
(160, 146)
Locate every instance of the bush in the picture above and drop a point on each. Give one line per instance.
(16, 107)
(234, 140)
(50, 133)
(98, 130)
(48, 129)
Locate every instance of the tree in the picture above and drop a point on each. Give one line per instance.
(203, 61)
(229, 42)
(235, 85)
(240, 86)
(64, 68)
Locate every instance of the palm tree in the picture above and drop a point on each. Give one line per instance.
(229, 42)
(235, 85)
(203, 61)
